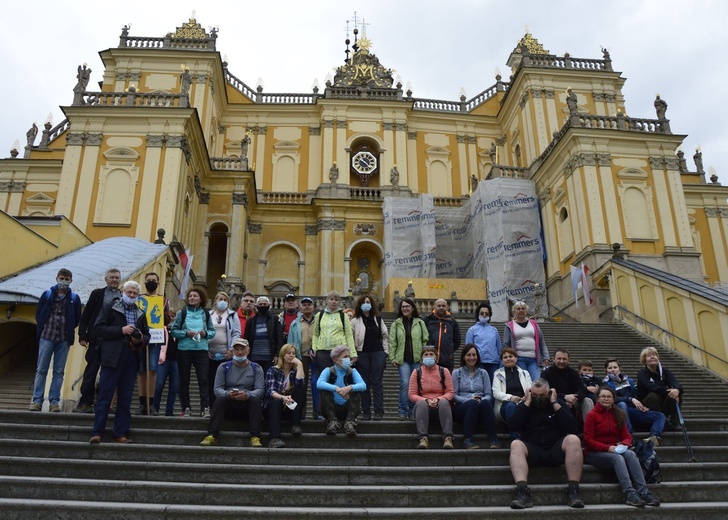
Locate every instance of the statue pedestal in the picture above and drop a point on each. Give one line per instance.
(434, 288)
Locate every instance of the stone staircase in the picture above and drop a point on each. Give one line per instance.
(48, 469)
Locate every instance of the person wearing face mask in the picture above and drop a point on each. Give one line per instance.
(227, 330)
(372, 343)
(340, 388)
(486, 339)
(431, 390)
(123, 331)
(239, 385)
(547, 438)
(264, 333)
(149, 361)
(57, 316)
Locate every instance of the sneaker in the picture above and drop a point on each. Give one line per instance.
(54, 408)
(401, 417)
(210, 440)
(142, 410)
(84, 408)
(522, 500)
(35, 407)
(573, 499)
(494, 445)
(633, 499)
(123, 440)
(296, 431)
(276, 443)
(367, 416)
(205, 413)
(350, 429)
(186, 413)
(255, 442)
(153, 411)
(649, 499)
(96, 439)
(424, 444)
(332, 428)
(378, 416)
(469, 444)
(447, 444)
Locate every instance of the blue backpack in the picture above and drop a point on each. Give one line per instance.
(645, 451)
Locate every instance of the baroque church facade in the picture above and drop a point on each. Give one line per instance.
(282, 192)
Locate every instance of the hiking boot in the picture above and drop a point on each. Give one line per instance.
(447, 444)
(210, 440)
(572, 497)
(332, 428)
(655, 440)
(469, 444)
(84, 408)
(424, 444)
(276, 443)
(186, 413)
(522, 500)
(633, 499)
(206, 413)
(649, 499)
(255, 442)
(296, 431)
(350, 429)
(54, 408)
(367, 416)
(35, 407)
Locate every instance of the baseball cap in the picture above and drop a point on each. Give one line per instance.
(289, 296)
(306, 299)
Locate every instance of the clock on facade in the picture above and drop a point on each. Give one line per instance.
(364, 162)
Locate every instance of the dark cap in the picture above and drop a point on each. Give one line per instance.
(289, 296)
(306, 299)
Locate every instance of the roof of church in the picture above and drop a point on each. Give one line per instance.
(88, 265)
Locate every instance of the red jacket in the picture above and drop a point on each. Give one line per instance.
(601, 430)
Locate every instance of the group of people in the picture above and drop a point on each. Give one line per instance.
(252, 364)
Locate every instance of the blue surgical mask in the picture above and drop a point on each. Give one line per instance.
(240, 359)
(484, 319)
(127, 300)
(64, 284)
(428, 361)
(221, 305)
(345, 363)
(366, 307)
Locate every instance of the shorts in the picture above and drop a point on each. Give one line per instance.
(538, 456)
(154, 351)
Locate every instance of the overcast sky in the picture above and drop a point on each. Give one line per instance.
(667, 46)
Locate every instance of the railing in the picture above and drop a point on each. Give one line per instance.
(380, 94)
(452, 202)
(511, 172)
(565, 62)
(663, 336)
(133, 98)
(476, 101)
(281, 197)
(287, 99)
(239, 85)
(167, 42)
(374, 194)
(57, 130)
(229, 163)
(437, 105)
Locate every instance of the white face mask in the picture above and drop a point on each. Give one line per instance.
(222, 305)
(484, 319)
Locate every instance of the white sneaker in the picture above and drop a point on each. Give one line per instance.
(187, 413)
(206, 413)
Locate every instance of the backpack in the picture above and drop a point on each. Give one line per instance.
(645, 451)
(317, 320)
(229, 364)
(419, 378)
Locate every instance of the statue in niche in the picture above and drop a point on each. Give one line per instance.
(409, 292)
(660, 107)
(571, 102)
(492, 152)
(83, 76)
(394, 176)
(244, 144)
(186, 79)
(31, 134)
(334, 173)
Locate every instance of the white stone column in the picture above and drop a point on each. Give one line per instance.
(236, 243)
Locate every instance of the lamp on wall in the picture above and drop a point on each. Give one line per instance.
(10, 311)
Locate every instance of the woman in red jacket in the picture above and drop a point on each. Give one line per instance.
(607, 441)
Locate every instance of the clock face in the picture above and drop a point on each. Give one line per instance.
(364, 162)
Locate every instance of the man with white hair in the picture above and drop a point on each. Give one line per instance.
(264, 333)
(123, 331)
(340, 388)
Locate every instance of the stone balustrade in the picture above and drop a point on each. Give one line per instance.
(361, 193)
(565, 62)
(57, 130)
(167, 42)
(287, 99)
(229, 164)
(437, 105)
(282, 197)
(451, 202)
(132, 98)
(239, 85)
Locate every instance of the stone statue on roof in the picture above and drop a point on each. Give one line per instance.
(571, 102)
(660, 107)
(186, 79)
(394, 176)
(31, 134)
(83, 76)
(334, 173)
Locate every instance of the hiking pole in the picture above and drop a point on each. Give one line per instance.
(685, 433)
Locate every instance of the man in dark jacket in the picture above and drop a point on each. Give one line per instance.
(264, 333)
(547, 438)
(444, 334)
(96, 300)
(568, 384)
(56, 318)
(122, 330)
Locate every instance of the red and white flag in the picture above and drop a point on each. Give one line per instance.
(186, 260)
(585, 284)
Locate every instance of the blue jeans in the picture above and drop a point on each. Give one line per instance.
(59, 351)
(506, 411)
(167, 369)
(405, 371)
(471, 413)
(120, 379)
(655, 421)
(530, 365)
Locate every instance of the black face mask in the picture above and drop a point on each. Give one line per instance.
(540, 402)
(263, 311)
(151, 286)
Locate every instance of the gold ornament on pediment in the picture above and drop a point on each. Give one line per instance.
(364, 45)
(532, 44)
(191, 30)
